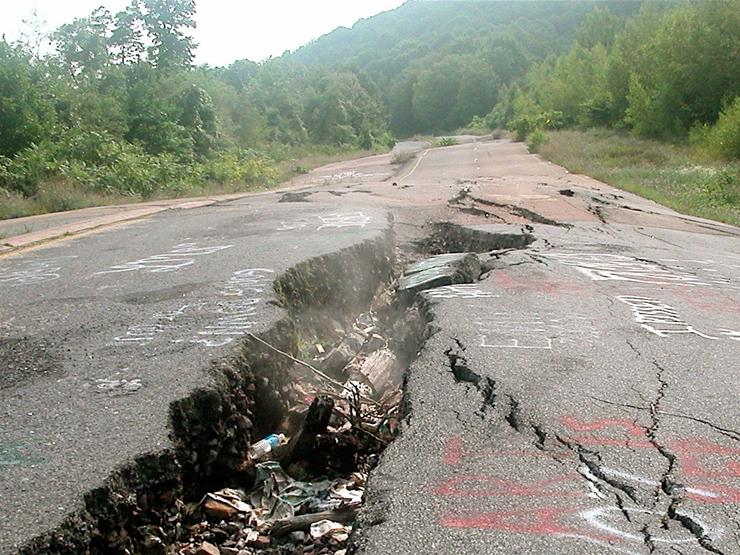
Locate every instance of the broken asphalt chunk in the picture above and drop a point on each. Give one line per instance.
(440, 270)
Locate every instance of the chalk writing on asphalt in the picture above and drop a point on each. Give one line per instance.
(241, 295)
(32, 272)
(177, 258)
(575, 501)
(336, 220)
(659, 318)
(509, 330)
(233, 313)
(730, 334)
(462, 291)
(614, 267)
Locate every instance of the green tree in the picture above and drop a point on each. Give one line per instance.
(435, 94)
(199, 119)
(127, 38)
(27, 115)
(599, 27)
(168, 23)
(83, 44)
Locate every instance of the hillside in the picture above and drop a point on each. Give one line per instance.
(438, 64)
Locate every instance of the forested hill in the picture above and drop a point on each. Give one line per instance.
(439, 63)
(118, 109)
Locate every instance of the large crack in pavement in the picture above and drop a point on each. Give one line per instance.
(465, 202)
(592, 468)
(149, 505)
(143, 506)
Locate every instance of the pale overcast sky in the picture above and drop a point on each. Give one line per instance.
(227, 30)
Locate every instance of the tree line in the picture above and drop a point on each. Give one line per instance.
(119, 107)
(668, 72)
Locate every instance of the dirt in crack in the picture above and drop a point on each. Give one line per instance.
(272, 457)
(333, 410)
(467, 203)
(462, 373)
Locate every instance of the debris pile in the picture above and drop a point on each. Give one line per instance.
(306, 480)
(280, 514)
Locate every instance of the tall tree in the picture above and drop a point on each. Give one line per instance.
(168, 23)
(83, 44)
(26, 114)
(126, 39)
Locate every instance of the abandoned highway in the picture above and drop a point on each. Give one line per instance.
(580, 397)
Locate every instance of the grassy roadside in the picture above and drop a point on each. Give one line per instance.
(61, 195)
(670, 174)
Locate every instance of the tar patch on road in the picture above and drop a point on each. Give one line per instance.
(24, 359)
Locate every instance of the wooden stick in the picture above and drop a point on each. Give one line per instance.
(304, 522)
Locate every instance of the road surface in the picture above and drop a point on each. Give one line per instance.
(582, 397)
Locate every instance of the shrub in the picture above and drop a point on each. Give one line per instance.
(535, 139)
(722, 140)
(245, 166)
(724, 186)
(446, 141)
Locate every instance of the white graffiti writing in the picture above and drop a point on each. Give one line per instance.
(659, 318)
(252, 280)
(335, 220)
(730, 334)
(114, 386)
(236, 315)
(139, 334)
(614, 267)
(605, 518)
(534, 331)
(178, 257)
(462, 291)
(338, 221)
(292, 225)
(32, 272)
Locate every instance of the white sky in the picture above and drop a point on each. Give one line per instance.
(227, 30)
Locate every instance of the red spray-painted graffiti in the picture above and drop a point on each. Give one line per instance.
(709, 468)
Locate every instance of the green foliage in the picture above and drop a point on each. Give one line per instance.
(446, 141)
(599, 27)
(671, 174)
(120, 109)
(529, 116)
(535, 139)
(722, 140)
(26, 111)
(723, 187)
(198, 117)
(439, 64)
(245, 166)
(168, 23)
(665, 70)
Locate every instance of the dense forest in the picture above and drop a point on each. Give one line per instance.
(118, 107)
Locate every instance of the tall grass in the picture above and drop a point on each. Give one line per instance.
(674, 175)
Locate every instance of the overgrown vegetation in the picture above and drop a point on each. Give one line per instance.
(119, 111)
(439, 65)
(670, 174)
(669, 71)
(446, 141)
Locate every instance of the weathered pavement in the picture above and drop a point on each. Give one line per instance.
(100, 334)
(583, 396)
(580, 398)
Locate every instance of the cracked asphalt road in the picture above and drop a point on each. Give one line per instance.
(98, 335)
(581, 398)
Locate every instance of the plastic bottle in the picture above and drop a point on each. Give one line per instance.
(264, 446)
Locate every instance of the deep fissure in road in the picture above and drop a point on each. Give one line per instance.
(346, 306)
